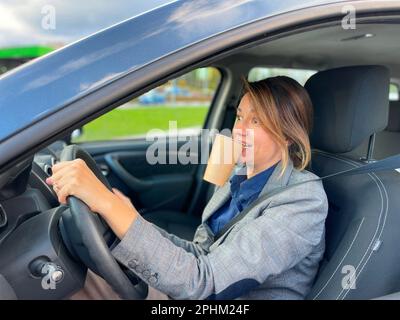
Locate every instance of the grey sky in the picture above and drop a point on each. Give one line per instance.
(21, 21)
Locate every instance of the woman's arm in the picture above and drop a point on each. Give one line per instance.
(75, 178)
(194, 247)
(189, 246)
(273, 243)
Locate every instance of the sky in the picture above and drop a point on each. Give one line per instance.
(58, 22)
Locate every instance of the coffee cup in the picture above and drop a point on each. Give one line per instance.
(224, 155)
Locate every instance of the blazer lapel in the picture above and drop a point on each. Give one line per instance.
(273, 183)
(217, 200)
(223, 193)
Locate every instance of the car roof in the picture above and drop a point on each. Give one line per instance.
(43, 86)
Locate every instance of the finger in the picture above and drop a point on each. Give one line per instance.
(65, 171)
(67, 180)
(63, 193)
(50, 181)
(57, 175)
(60, 165)
(78, 165)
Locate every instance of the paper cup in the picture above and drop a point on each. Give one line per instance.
(224, 155)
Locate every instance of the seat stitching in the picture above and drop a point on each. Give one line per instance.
(383, 226)
(348, 250)
(341, 261)
(354, 164)
(380, 190)
(372, 175)
(357, 274)
(375, 236)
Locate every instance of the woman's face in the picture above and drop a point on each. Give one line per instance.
(259, 150)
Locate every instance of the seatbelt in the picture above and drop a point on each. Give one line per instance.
(389, 163)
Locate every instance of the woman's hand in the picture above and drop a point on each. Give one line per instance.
(74, 178)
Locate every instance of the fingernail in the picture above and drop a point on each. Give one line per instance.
(49, 180)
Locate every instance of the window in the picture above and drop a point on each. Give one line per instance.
(185, 101)
(299, 75)
(394, 92)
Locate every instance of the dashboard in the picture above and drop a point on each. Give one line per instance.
(41, 169)
(31, 233)
(23, 189)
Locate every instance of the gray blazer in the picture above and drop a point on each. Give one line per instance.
(272, 253)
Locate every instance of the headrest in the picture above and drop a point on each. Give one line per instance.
(394, 116)
(350, 104)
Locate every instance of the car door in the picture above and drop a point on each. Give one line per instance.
(149, 148)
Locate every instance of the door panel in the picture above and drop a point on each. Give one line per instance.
(150, 186)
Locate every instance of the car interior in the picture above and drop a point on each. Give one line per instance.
(355, 122)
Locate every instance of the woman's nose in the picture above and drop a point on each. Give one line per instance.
(242, 129)
(239, 132)
(240, 126)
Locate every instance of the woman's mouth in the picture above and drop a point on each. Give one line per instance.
(246, 145)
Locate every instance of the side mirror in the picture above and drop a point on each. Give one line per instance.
(76, 134)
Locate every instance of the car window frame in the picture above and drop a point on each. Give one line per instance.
(206, 119)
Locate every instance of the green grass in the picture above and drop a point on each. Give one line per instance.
(125, 123)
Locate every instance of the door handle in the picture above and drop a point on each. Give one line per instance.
(137, 185)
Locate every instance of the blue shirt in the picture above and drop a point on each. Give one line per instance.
(243, 192)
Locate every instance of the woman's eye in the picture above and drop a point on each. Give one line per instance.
(239, 117)
(255, 121)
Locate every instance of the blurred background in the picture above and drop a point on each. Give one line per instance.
(31, 28)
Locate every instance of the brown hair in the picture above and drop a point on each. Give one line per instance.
(285, 111)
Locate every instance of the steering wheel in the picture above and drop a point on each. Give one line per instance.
(89, 236)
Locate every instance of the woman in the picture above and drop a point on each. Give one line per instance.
(272, 253)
